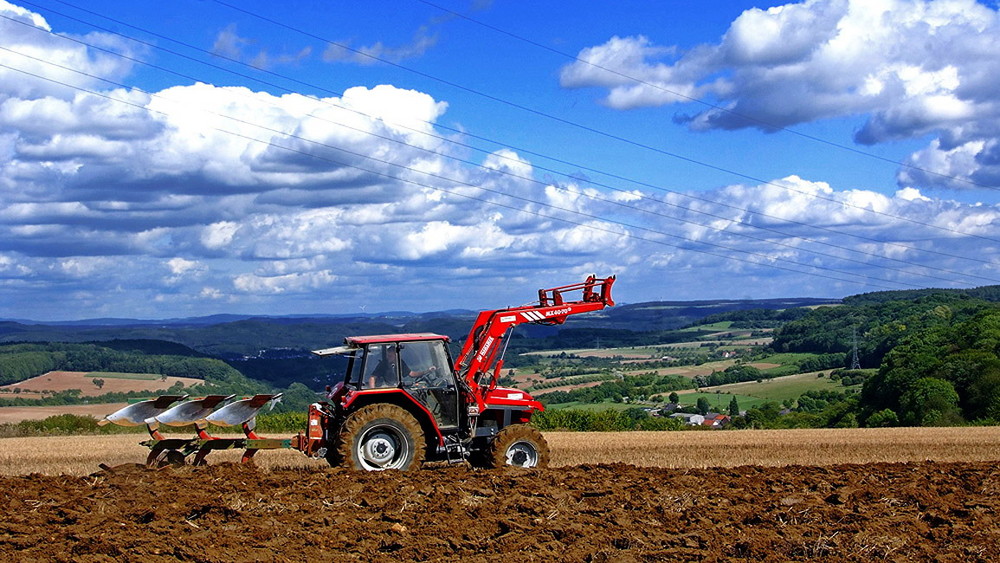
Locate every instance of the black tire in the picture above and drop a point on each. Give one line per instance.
(480, 459)
(379, 437)
(333, 456)
(519, 445)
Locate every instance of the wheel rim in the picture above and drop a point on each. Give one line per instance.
(522, 454)
(382, 448)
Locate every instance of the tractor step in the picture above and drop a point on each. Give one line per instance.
(454, 451)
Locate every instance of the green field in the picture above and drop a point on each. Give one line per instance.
(576, 405)
(722, 325)
(719, 402)
(749, 395)
(117, 375)
(548, 385)
(782, 388)
(787, 358)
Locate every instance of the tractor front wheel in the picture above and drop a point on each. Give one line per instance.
(519, 445)
(379, 437)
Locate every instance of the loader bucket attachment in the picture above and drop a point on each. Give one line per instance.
(138, 413)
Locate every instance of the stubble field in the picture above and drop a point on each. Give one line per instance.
(832, 495)
(56, 381)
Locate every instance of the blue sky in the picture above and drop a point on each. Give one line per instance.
(198, 157)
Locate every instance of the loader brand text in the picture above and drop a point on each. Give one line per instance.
(486, 347)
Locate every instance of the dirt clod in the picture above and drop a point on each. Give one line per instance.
(911, 511)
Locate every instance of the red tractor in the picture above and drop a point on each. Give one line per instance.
(404, 401)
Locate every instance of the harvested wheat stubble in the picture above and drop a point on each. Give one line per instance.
(80, 455)
(823, 446)
(615, 512)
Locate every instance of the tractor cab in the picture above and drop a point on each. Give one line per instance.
(417, 367)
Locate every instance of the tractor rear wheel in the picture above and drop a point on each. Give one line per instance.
(519, 445)
(333, 455)
(379, 437)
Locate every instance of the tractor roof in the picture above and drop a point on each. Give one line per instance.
(353, 343)
(381, 338)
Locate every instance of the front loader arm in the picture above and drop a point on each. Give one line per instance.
(477, 364)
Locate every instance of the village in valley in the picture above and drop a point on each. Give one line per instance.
(705, 382)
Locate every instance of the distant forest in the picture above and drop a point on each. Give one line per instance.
(932, 356)
(23, 361)
(937, 353)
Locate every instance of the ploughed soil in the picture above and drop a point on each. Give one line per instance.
(229, 512)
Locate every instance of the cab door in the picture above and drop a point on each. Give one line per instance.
(426, 374)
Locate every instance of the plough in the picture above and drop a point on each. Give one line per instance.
(176, 410)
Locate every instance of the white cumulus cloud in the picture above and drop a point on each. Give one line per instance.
(193, 197)
(910, 68)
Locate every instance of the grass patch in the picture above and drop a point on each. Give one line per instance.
(788, 358)
(594, 407)
(719, 402)
(119, 375)
(781, 388)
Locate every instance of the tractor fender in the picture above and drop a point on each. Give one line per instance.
(400, 398)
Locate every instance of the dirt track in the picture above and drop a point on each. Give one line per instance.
(914, 511)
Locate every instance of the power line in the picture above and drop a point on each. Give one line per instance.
(758, 121)
(855, 362)
(604, 185)
(743, 210)
(590, 196)
(758, 180)
(566, 190)
(768, 261)
(571, 123)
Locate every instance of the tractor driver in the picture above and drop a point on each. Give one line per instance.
(419, 377)
(414, 354)
(381, 373)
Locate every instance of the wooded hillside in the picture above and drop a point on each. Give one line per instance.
(937, 353)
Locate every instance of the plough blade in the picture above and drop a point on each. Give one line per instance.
(192, 411)
(239, 412)
(138, 413)
(175, 451)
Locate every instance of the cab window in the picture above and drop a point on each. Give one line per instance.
(381, 367)
(425, 364)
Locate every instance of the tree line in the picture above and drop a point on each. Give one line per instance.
(608, 420)
(640, 387)
(19, 362)
(755, 318)
(937, 355)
